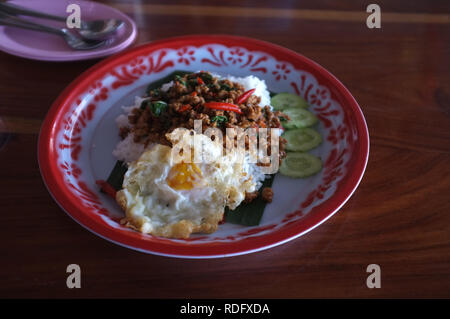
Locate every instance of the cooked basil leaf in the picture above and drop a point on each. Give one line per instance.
(193, 82)
(166, 79)
(155, 92)
(225, 87)
(206, 77)
(158, 107)
(180, 79)
(219, 119)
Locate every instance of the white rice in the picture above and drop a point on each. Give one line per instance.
(254, 171)
(128, 151)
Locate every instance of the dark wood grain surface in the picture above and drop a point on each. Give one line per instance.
(398, 218)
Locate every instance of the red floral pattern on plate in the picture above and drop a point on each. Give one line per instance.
(186, 56)
(281, 72)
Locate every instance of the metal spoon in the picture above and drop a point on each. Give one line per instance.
(92, 30)
(72, 40)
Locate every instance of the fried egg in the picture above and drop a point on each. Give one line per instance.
(166, 197)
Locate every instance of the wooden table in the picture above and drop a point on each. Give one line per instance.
(399, 217)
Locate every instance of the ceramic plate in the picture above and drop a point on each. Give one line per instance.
(79, 134)
(47, 47)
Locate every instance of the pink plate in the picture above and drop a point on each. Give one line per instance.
(48, 47)
(79, 134)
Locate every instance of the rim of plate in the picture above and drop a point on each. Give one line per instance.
(159, 246)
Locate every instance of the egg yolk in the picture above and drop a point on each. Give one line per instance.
(184, 176)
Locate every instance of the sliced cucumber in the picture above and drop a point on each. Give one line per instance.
(302, 139)
(299, 118)
(282, 101)
(299, 164)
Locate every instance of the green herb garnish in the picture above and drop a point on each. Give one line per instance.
(219, 119)
(155, 92)
(158, 107)
(180, 79)
(225, 86)
(193, 82)
(157, 84)
(206, 77)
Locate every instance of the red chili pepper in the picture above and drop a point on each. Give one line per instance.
(223, 106)
(194, 93)
(184, 108)
(241, 99)
(200, 81)
(107, 188)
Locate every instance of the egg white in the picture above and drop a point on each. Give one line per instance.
(152, 206)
